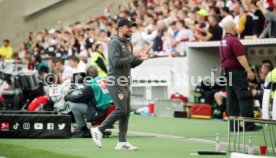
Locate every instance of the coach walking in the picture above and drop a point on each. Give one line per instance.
(234, 62)
(121, 59)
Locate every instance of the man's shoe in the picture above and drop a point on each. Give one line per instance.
(96, 136)
(125, 146)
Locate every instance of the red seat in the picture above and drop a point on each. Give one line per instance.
(201, 111)
(109, 111)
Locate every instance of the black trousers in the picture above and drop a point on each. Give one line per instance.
(239, 98)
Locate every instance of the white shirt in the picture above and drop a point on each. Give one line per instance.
(183, 34)
(67, 73)
(236, 20)
(149, 37)
(81, 66)
(137, 40)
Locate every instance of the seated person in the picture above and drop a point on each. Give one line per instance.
(219, 104)
(257, 93)
(94, 97)
(270, 83)
(62, 72)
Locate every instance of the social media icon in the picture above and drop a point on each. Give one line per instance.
(61, 126)
(26, 126)
(5, 126)
(50, 126)
(16, 126)
(38, 126)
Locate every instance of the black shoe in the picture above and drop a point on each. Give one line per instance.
(254, 128)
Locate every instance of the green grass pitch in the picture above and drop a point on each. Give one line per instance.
(155, 137)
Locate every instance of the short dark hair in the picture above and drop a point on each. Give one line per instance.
(268, 64)
(225, 9)
(58, 60)
(270, 9)
(75, 58)
(7, 41)
(182, 22)
(215, 17)
(126, 12)
(97, 46)
(173, 23)
(216, 9)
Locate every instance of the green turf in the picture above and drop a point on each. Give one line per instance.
(17, 151)
(205, 129)
(148, 146)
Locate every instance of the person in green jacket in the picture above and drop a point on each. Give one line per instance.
(91, 101)
(99, 60)
(270, 82)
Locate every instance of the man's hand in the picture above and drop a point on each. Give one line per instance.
(144, 55)
(110, 6)
(259, 3)
(250, 75)
(254, 92)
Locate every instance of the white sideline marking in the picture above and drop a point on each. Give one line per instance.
(240, 155)
(75, 150)
(166, 136)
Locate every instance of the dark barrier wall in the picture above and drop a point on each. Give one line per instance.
(34, 125)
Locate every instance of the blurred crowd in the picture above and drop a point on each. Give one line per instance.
(166, 25)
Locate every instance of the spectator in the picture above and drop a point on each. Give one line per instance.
(259, 21)
(149, 32)
(77, 65)
(29, 42)
(215, 11)
(40, 66)
(157, 46)
(78, 39)
(184, 35)
(136, 37)
(214, 32)
(258, 17)
(28, 60)
(62, 72)
(245, 25)
(202, 19)
(99, 60)
(270, 30)
(236, 13)
(226, 16)
(266, 67)
(123, 14)
(23, 51)
(270, 82)
(6, 51)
